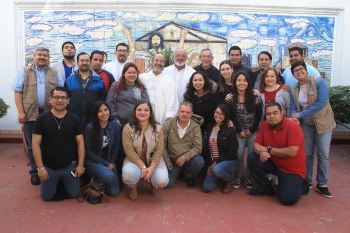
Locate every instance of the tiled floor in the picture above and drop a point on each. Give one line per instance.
(177, 209)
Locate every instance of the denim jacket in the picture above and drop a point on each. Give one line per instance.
(113, 134)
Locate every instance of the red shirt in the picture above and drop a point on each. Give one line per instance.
(288, 134)
(105, 79)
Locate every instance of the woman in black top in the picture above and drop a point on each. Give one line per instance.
(220, 152)
(225, 79)
(201, 92)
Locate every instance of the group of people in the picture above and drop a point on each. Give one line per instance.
(82, 115)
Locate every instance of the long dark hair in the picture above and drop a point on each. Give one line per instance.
(122, 85)
(134, 122)
(263, 77)
(190, 90)
(222, 83)
(249, 97)
(226, 112)
(96, 127)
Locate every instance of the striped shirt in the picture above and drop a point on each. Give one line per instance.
(214, 146)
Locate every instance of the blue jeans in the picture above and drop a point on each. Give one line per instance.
(132, 174)
(224, 170)
(290, 186)
(71, 183)
(28, 131)
(195, 164)
(323, 142)
(243, 143)
(103, 174)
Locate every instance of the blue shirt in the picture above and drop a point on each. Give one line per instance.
(40, 76)
(289, 78)
(67, 70)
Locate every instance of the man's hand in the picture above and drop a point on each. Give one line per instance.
(169, 165)
(149, 173)
(286, 87)
(43, 174)
(79, 170)
(22, 117)
(294, 119)
(181, 160)
(264, 156)
(169, 118)
(111, 166)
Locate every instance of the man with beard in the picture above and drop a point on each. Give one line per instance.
(297, 54)
(279, 150)
(67, 66)
(156, 43)
(235, 54)
(85, 89)
(161, 90)
(206, 67)
(97, 60)
(32, 88)
(116, 67)
(180, 72)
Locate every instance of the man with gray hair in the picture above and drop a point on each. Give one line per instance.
(206, 67)
(161, 90)
(183, 144)
(180, 72)
(32, 88)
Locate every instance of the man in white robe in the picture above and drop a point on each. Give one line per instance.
(180, 72)
(161, 90)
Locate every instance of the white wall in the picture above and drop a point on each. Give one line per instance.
(9, 39)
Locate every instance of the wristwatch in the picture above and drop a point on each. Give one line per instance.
(269, 148)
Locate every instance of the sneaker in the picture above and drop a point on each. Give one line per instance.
(249, 183)
(259, 192)
(238, 183)
(324, 191)
(276, 180)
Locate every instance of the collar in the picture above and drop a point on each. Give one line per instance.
(37, 68)
(177, 123)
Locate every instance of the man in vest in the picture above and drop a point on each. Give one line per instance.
(32, 88)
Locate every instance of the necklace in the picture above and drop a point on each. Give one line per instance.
(270, 95)
(59, 124)
(40, 77)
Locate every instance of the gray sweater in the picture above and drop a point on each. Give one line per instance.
(122, 107)
(283, 98)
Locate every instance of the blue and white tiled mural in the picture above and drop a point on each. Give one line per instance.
(103, 30)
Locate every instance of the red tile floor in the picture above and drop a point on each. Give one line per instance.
(177, 209)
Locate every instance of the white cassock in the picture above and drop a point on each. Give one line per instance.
(181, 79)
(162, 95)
(115, 68)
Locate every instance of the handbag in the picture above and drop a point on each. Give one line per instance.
(92, 193)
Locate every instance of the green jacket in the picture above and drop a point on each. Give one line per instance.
(189, 145)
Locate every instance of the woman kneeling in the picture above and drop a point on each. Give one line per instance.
(143, 143)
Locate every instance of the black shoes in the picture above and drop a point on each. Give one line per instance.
(34, 179)
(324, 191)
(190, 182)
(259, 192)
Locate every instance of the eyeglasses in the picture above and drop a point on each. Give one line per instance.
(218, 113)
(56, 97)
(122, 51)
(298, 70)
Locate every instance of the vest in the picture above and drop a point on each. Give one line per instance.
(30, 96)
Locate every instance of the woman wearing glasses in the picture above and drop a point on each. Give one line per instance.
(310, 104)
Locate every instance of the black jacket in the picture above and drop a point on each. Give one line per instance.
(227, 145)
(212, 72)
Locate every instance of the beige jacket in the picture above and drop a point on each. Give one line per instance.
(323, 119)
(30, 96)
(132, 143)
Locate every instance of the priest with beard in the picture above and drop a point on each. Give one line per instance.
(67, 66)
(180, 72)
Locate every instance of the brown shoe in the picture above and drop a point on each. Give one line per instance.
(228, 187)
(154, 191)
(133, 194)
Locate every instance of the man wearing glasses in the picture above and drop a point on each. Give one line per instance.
(85, 89)
(297, 54)
(116, 67)
(32, 88)
(58, 147)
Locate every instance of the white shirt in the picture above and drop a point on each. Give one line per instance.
(181, 79)
(115, 68)
(162, 95)
(182, 131)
